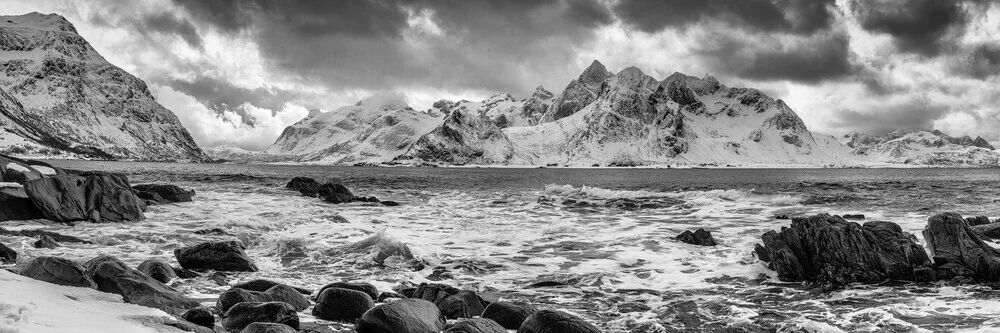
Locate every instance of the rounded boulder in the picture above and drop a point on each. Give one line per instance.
(402, 316)
(552, 321)
(510, 315)
(342, 304)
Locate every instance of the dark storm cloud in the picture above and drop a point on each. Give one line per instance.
(220, 95)
(495, 45)
(908, 115)
(169, 24)
(924, 27)
(982, 61)
(797, 16)
(810, 60)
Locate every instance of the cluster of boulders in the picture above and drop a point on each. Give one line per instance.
(34, 189)
(331, 192)
(698, 237)
(831, 250)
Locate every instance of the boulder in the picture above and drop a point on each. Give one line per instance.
(113, 276)
(463, 304)
(978, 220)
(402, 316)
(433, 292)
(97, 198)
(277, 293)
(854, 216)
(366, 288)
(476, 325)
(59, 271)
(7, 255)
(264, 285)
(342, 304)
(15, 170)
(829, 249)
(510, 315)
(957, 250)
(389, 203)
(158, 270)
(268, 328)
(201, 316)
(242, 315)
(380, 247)
(986, 231)
(307, 186)
(15, 205)
(699, 237)
(46, 242)
(166, 192)
(552, 321)
(220, 256)
(335, 193)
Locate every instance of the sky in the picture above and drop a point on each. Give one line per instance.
(237, 72)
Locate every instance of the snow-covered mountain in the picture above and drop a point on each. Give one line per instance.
(922, 148)
(375, 130)
(58, 95)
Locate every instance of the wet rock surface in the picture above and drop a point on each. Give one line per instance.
(243, 314)
(698, 237)
(220, 256)
(113, 276)
(405, 315)
(59, 271)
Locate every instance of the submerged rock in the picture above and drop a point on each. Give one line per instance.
(380, 247)
(264, 285)
(307, 186)
(201, 316)
(158, 270)
(829, 249)
(34, 233)
(220, 256)
(113, 276)
(405, 315)
(366, 288)
(510, 315)
(163, 193)
(552, 321)
(277, 293)
(476, 325)
(59, 271)
(957, 250)
(46, 242)
(96, 197)
(342, 304)
(242, 315)
(7, 255)
(854, 216)
(698, 237)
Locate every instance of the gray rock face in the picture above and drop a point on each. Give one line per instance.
(405, 315)
(113, 276)
(58, 271)
(829, 249)
(220, 256)
(551, 321)
(957, 250)
(94, 197)
(243, 314)
(58, 94)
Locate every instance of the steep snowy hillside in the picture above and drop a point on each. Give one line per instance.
(922, 148)
(235, 154)
(463, 138)
(57, 94)
(634, 119)
(374, 130)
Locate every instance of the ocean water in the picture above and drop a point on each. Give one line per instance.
(556, 238)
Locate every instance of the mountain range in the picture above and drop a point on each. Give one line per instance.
(59, 97)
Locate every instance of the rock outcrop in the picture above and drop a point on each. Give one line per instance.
(958, 251)
(698, 237)
(59, 271)
(95, 197)
(113, 276)
(220, 256)
(163, 193)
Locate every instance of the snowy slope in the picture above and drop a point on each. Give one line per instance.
(922, 148)
(375, 130)
(70, 99)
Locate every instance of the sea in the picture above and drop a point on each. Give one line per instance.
(598, 242)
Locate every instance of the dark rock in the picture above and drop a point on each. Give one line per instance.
(220, 256)
(699, 237)
(510, 315)
(264, 285)
(958, 252)
(213, 231)
(388, 295)
(477, 325)
(986, 231)
(277, 293)
(342, 304)
(978, 220)
(829, 249)
(407, 292)
(551, 321)
(7, 255)
(854, 216)
(185, 273)
(386, 246)
(150, 198)
(406, 315)
(390, 203)
(59, 271)
(335, 193)
(242, 315)
(433, 292)
(268, 328)
(762, 253)
(307, 186)
(168, 193)
(781, 217)
(463, 304)
(15, 205)
(35, 233)
(113, 276)
(158, 270)
(97, 198)
(46, 242)
(366, 288)
(16, 170)
(201, 316)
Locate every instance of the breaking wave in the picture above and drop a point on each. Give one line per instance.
(705, 197)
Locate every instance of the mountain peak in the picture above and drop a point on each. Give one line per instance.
(385, 100)
(39, 21)
(595, 73)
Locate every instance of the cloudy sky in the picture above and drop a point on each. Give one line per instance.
(238, 71)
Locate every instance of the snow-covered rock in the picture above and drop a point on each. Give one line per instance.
(58, 95)
(463, 138)
(922, 148)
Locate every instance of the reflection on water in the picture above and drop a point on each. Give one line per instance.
(598, 242)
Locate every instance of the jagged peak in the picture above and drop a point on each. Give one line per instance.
(384, 100)
(594, 73)
(39, 21)
(541, 93)
(499, 97)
